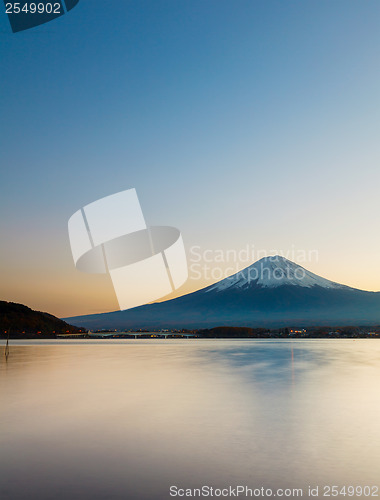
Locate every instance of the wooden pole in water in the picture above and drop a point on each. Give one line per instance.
(6, 353)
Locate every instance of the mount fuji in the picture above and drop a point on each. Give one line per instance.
(272, 292)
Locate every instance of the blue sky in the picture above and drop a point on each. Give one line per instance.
(240, 122)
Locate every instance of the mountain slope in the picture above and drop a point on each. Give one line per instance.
(272, 272)
(21, 321)
(271, 292)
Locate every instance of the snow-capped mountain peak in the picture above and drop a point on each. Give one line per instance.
(272, 272)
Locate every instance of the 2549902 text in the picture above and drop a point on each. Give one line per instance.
(33, 8)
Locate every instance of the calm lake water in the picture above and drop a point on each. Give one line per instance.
(128, 419)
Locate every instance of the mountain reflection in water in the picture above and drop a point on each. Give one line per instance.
(128, 419)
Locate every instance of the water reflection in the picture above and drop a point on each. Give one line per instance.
(127, 419)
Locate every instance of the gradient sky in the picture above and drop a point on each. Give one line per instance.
(239, 122)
